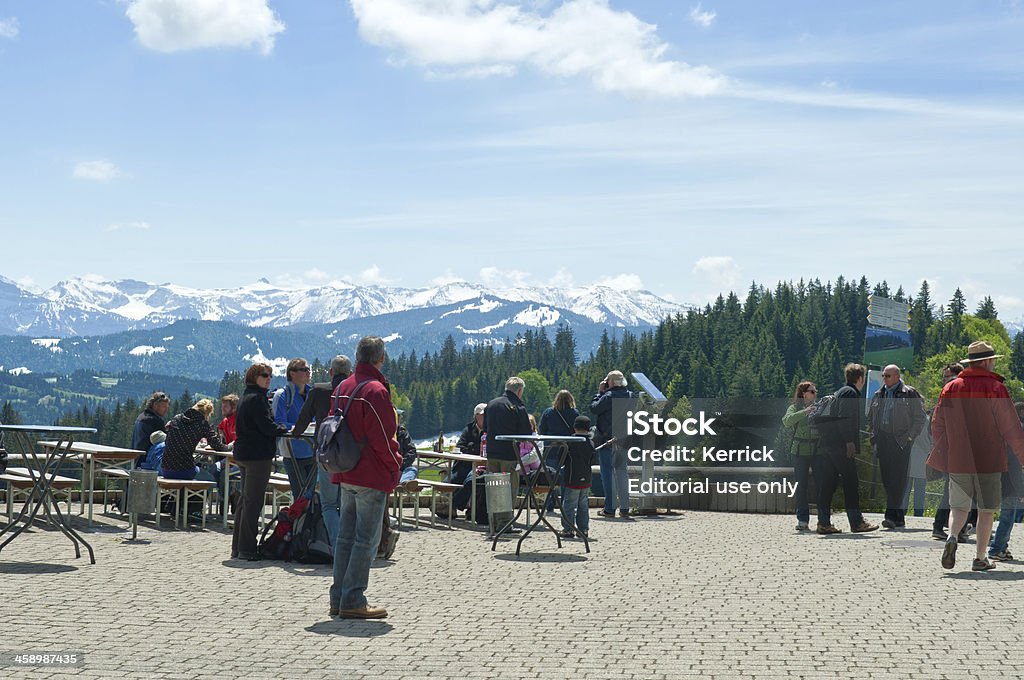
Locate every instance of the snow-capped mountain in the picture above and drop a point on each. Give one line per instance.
(92, 306)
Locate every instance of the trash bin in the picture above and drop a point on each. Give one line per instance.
(499, 499)
(143, 491)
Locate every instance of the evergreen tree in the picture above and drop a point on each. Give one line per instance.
(9, 416)
(987, 309)
(1017, 357)
(958, 304)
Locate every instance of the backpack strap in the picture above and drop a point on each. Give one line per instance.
(350, 397)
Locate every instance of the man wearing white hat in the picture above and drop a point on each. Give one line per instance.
(973, 425)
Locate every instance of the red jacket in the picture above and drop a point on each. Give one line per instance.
(973, 424)
(227, 428)
(380, 465)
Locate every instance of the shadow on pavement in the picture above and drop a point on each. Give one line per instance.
(542, 557)
(358, 628)
(994, 575)
(35, 568)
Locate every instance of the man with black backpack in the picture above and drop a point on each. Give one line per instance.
(839, 446)
(373, 423)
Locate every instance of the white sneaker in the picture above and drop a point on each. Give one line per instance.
(802, 526)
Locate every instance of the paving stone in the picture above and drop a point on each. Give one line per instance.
(699, 594)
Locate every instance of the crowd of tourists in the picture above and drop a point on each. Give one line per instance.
(972, 439)
(261, 426)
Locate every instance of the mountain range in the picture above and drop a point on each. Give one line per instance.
(95, 324)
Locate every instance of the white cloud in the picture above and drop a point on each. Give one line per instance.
(829, 84)
(511, 278)
(316, 275)
(173, 25)
(615, 50)
(702, 19)
(561, 279)
(134, 226)
(29, 284)
(721, 271)
(96, 171)
(9, 27)
(446, 278)
(622, 282)
(371, 276)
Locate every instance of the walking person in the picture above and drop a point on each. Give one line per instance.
(1011, 511)
(974, 423)
(839, 446)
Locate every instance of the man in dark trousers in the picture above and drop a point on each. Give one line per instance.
(839, 446)
(506, 415)
(895, 417)
(317, 407)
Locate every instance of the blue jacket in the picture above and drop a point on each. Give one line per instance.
(154, 457)
(287, 406)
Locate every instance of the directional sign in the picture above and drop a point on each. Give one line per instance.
(888, 313)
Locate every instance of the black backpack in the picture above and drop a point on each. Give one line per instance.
(310, 543)
(824, 420)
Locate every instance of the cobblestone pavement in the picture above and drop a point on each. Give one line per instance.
(695, 594)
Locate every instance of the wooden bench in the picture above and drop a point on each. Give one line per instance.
(436, 488)
(191, 488)
(119, 474)
(280, 493)
(19, 480)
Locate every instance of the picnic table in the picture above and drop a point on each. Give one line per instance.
(94, 458)
(450, 458)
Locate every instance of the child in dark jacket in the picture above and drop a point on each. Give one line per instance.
(576, 479)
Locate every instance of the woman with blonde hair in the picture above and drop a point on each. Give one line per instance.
(184, 432)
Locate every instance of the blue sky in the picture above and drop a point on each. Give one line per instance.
(686, 148)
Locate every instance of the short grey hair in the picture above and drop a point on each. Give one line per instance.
(341, 365)
(370, 350)
(480, 408)
(514, 384)
(616, 379)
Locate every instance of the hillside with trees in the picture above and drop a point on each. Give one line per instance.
(759, 346)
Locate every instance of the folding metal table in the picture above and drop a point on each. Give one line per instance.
(43, 469)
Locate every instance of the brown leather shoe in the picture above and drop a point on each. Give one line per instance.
(826, 529)
(366, 612)
(863, 528)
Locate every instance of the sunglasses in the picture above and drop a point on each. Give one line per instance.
(304, 369)
(264, 375)
(810, 391)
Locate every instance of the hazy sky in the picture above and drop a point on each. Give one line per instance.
(685, 148)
